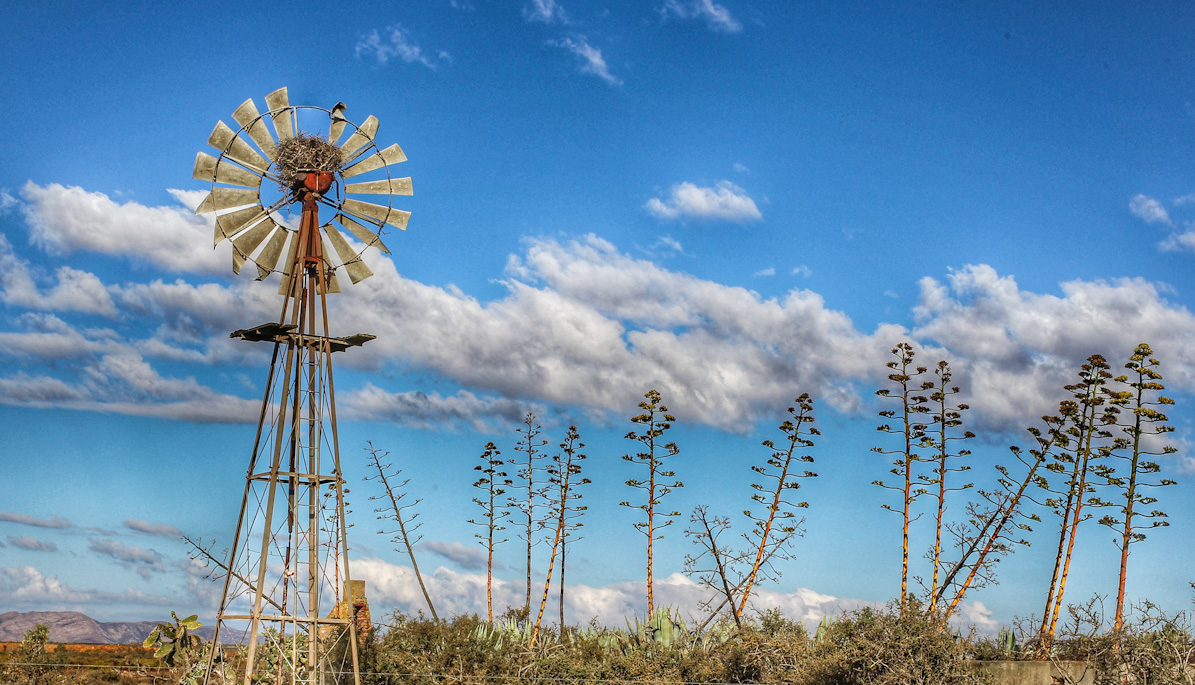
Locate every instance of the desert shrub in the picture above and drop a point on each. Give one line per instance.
(881, 647)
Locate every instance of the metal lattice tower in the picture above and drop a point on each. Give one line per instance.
(287, 595)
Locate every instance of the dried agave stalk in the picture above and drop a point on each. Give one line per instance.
(302, 153)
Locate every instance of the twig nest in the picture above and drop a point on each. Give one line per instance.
(303, 153)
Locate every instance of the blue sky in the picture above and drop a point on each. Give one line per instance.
(733, 202)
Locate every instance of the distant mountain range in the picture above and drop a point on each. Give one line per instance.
(74, 627)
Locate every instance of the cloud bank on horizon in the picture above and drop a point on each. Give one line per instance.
(605, 325)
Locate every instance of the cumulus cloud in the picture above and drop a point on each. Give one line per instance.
(65, 220)
(395, 586)
(32, 544)
(546, 11)
(159, 529)
(716, 16)
(725, 202)
(1014, 350)
(1179, 242)
(73, 290)
(26, 586)
(144, 562)
(394, 42)
(53, 522)
(1149, 210)
(591, 58)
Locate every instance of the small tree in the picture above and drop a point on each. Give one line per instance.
(564, 476)
(393, 509)
(492, 483)
(717, 566)
(529, 444)
(776, 526)
(1080, 443)
(911, 430)
(1131, 447)
(655, 420)
(941, 432)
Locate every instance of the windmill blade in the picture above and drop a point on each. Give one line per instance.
(390, 186)
(360, 138)
(244, 246)
(208, 168)
(364, 234)
(286, 269)
(336, 128)
(391, 155)
(228, 198)
(352, 262)
(228, 225)
(250, 119)
(270, 253)
(280, 112)
(377, 213)
(233, 147)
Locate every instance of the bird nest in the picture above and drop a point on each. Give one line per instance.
(302, 153)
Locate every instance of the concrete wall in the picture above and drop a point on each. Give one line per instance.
(1036, 672)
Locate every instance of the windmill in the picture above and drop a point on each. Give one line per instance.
(288, 565)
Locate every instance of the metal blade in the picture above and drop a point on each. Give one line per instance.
(208, 168)
(360, 138)
(247, 243)
(227, 198)
(336, 128)
(352, 262)
(228, 225)
(247, 116)
(363, 234)
(376, 213)
(287, 266)
(270, 253)
(391, 155)
(206, 206)
(233, 147)
(280, 111)
(393, 186)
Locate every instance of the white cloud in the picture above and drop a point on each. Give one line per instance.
(52, 522)
(468, 557)
(1179, 242)
(741, 168)
(591, 58)
(65, 220)
(393, 42)
(394, 586)
(1014, 350)
(716, 16)
(160, 529)
(32, 544)
(144, 562)
(418, 409)
(802, 270)
(1149, 210)
(73, 290)
(726, 201)
(546, 11)
(770, 271)
(28, 585)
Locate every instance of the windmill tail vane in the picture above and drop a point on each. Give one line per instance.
(289, 598)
